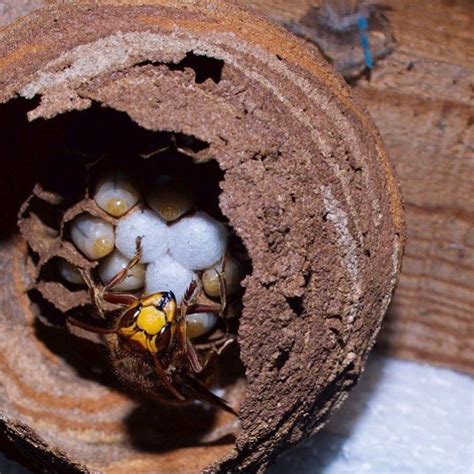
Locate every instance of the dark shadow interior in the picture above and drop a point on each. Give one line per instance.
(66, 153)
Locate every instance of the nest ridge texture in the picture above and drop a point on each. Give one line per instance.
(307, 187)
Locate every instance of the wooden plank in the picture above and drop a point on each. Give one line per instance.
(422, 100)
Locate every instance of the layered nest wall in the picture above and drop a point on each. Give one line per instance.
(305, 184)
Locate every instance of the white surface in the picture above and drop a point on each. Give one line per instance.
(197, 241)
(144, 224)
(402, 418)
(167, 274)
(116, 194)
(92, 236)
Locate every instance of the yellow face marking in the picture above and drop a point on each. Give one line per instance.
(151, 320)
(154, 299)
(151, 344)
(141, 338)
(170, 310)
(129, 331)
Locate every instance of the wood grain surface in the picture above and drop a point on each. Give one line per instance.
(422, 100)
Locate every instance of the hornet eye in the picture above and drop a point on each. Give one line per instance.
(163, 339)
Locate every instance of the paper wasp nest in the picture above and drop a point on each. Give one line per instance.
(286, 157)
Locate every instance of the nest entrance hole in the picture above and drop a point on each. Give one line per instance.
(57, 153)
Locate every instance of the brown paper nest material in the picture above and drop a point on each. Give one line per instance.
(307, 187)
